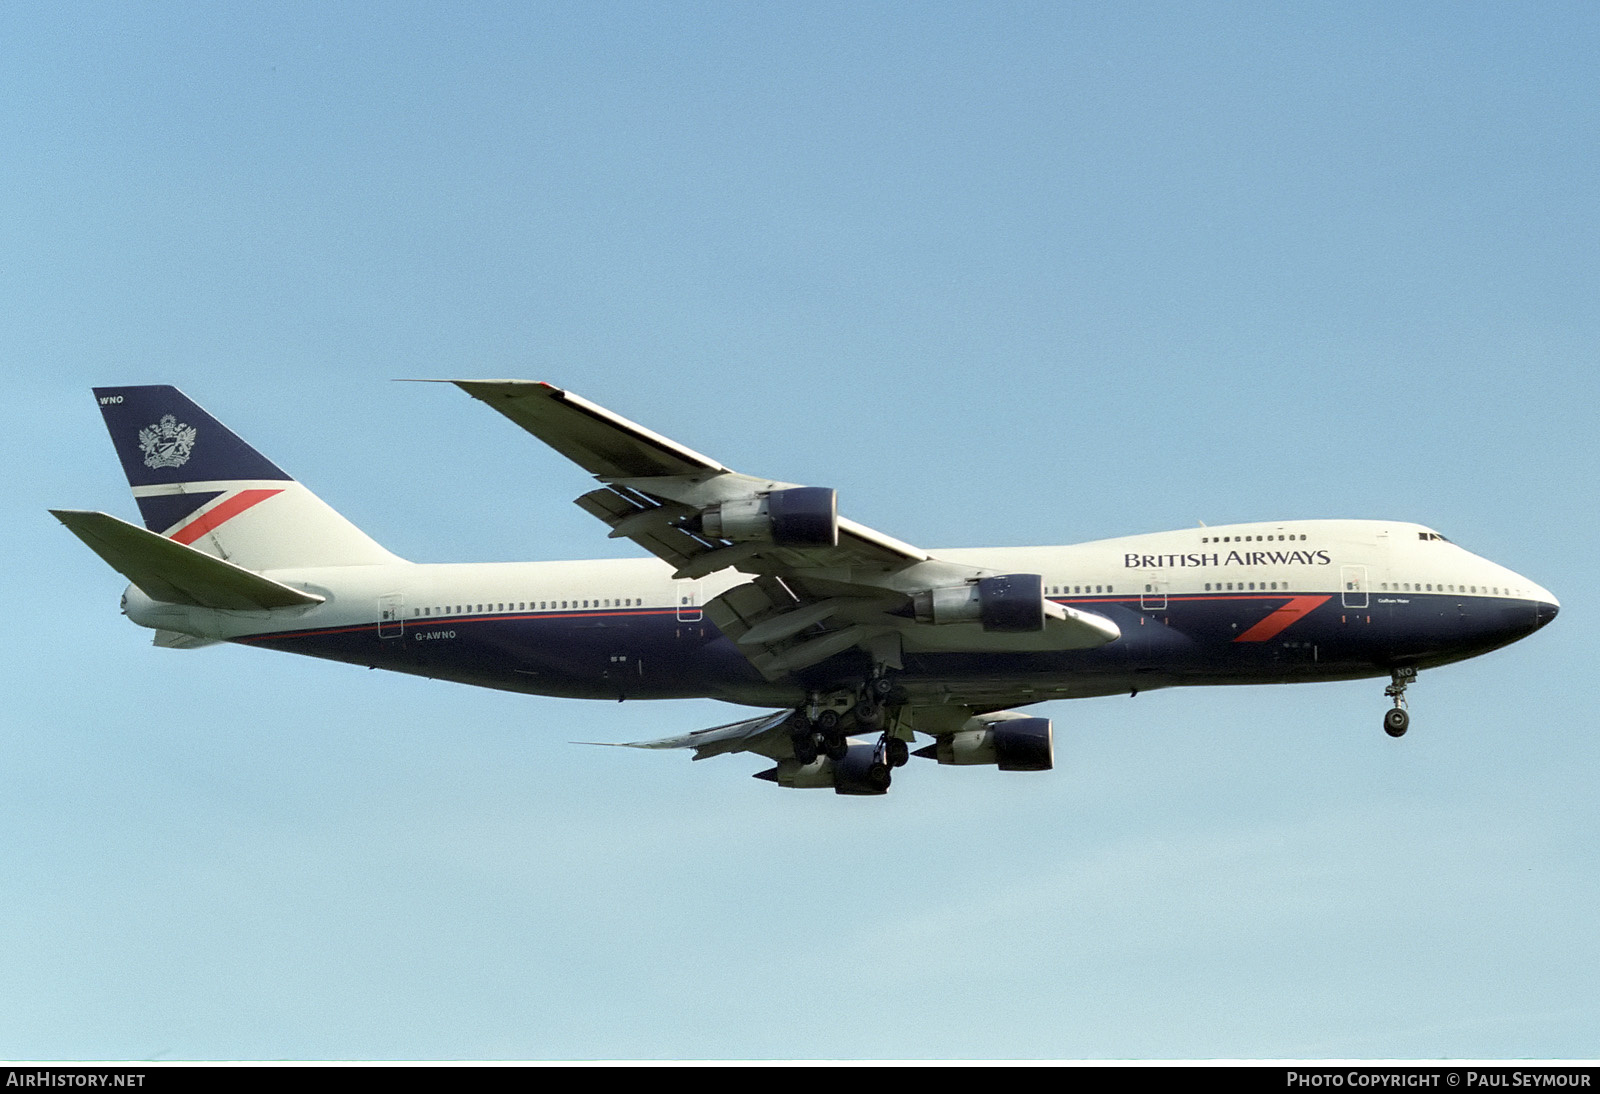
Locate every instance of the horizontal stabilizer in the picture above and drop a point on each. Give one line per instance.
(172, 572)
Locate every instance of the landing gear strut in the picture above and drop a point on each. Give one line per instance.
(869, 714)
(1398, 720)
(815, 732)
(803, 739)
(881, 699)
(819, 727)
(878, 776)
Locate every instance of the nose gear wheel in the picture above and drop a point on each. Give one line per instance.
(1398, 720)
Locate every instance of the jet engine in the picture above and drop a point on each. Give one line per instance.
(1010, 741)
(1009, 603)
(858, 773)
(805, 516)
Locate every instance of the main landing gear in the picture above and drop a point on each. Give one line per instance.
(822, 726)
(1398, 720)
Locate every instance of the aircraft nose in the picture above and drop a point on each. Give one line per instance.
(1545, 611)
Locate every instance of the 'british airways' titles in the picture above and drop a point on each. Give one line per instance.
(1233, 558)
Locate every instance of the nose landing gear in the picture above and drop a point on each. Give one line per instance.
(1398, 720)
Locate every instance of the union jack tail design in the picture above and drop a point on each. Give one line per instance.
(196, 482)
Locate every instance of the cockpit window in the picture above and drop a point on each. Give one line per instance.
(1432, 535)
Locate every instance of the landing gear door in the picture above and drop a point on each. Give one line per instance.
(1353, 586)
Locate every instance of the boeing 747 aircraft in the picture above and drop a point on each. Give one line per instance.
(760, 593)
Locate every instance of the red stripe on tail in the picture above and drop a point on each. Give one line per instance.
(213, 518)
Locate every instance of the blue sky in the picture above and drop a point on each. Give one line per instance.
(1001, 274)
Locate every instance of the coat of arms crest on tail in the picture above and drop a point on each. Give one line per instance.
(167, 443)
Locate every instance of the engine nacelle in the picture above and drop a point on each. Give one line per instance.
(854, 774)
(806, 516)
(1012, 742)
(1010, 603)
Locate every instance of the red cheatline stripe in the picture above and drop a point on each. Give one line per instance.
(229, 509)
(1273, 624)
(417, 622)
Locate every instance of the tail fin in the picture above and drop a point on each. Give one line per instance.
(196, 482)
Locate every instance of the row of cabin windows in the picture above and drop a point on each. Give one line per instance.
(1279, 539)
(1405, 586)
(529, 606)
(634, 602)
(1248, 539)
(1423, 587)
(1055, 590)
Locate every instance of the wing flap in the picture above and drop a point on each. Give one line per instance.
(177, 640)
(647, 522)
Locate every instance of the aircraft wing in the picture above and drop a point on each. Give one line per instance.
(821, 583)
(850, 772)
(766, 735)
(655, 485)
